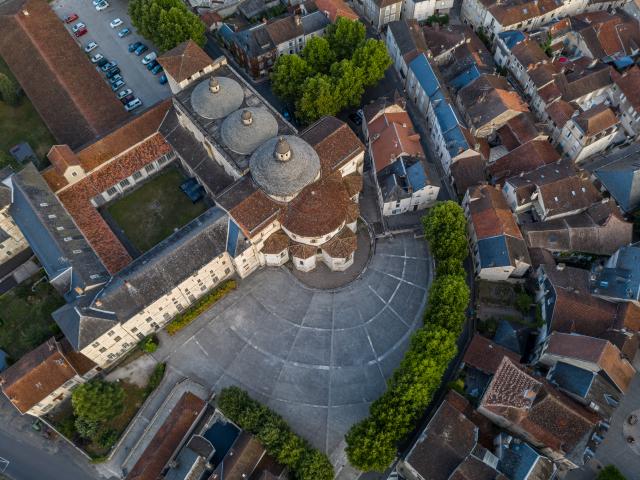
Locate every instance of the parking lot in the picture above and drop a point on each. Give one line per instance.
(144, 85)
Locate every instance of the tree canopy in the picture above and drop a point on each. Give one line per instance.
(166, 23)
(332, 72)
(610, 472)
(445, 229)
(97, 401)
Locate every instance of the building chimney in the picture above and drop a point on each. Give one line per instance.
(297, 19)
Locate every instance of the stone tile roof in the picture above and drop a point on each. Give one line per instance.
(335, 9)
(45, 58)
(168, 438)
(532, 406)
(598, 352)
(490, 213)
(560, 112)
(567, 194)
(354, 183)
(529, 53)
(300, 250)
(353, 212)
(342, 245)
(485, 355)
(319, 210)
(183, 61)
(41, 372)
(284, 29)
(525, 158)
(276, 243)
(518, 131)
(334, 142)
(596, 119)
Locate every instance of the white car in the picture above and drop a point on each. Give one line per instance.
(124, 93)
(102, 6)
(96, 2)
(78, 26)
(90, 46)
(96, 58)
(116, 22)
(149, 57)
(133, 104)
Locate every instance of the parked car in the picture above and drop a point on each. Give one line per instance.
(133, 46)
(109, 65)
(71, 18)
(116, 22)
(96, 58)
(116, 86)
(96, 2)
(112, 73)
(102, 6)
(163, 79)
(127, 99)
(90, 46)
(78, 26)
(102, 62)
(124, 93)
(124, 32)
(133, 104)
(141, 49)
(151, 64)
(149, 57)
(80, 32)
(115, 78)
(157, 69)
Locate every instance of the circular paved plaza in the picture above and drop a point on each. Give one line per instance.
(318, 358)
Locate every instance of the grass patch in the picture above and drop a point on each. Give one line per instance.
(151, 213)
(25, 316)
(189, 315)
(21, 123)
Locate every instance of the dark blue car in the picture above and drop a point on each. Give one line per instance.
(134, 46)
(163, 79)
(141, 49)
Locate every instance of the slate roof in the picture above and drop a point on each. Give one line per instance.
(314, 22)
(82, 324)
(41, 372)
(511, 37)
(184, 60)
(485, 355)
(566, 195)
(620, 277)
(168, 438)
(446, 441)
(402, 179)
(44, 58)
(520, 461)
(620, 175)
(600, 353)
(241, 461)
(60, 246)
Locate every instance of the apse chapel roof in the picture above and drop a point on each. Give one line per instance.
(284, 166)
(216, 97)
(246, 129)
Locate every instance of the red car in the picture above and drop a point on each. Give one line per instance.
(71, 18)
(81, 32)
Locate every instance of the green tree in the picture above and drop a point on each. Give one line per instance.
(372, 57)
(87, 429)
(97, 400)
(319, 98)
(233, 401)
(523, 302)
(345, 36)
(292, 450)
(288, 77)
(315, 466)
(449, 266)
(445, 229)
(610, 472)
(349, 81)
(8, 90)
(167, 23)
(318, 55)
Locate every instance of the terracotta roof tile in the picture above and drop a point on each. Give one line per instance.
(254, 212)
(353, 212)
(485, 355)
(529, 53)
(524, 158)
(335, 9)
(276, 243)
(596, 119)
(166, 441)
(560, 112)
(518, 131)
(183, 61)
(334, 142)
(342, 245)
(490, 213)
(300, 250)
(393, 135)
(353, 183)
(62, 157)
(567, 194)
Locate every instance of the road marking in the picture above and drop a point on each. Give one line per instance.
(201, 347)
(4, 463)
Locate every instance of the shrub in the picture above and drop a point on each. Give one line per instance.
(107, 438)
(86, 428)
(203, 304)
(610, 472)
(97, 401)
(304, 461)
(156, 377)
(523, 302)
(149, 344)
(67, 427)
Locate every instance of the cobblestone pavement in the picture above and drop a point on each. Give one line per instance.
(318, 358)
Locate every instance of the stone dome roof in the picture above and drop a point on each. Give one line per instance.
(217, 97)
(246, 129)
(283, 172)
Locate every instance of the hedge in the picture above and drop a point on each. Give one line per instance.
(185, 318)
(304, 461)
(372, 443)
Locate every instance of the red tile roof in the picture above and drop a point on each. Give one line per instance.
(166, 441)
(393, 135)
(335, 9)
(276, 243)
(525, 158)
(486, 356)
(490, 213)
(184, 60)
(73, 100)
(334, 142)
(342, 245)
(596, 119)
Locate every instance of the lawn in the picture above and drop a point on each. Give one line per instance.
(25, 316)
(21, 123)
(154, 211)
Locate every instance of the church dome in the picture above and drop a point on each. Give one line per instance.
(217, 97)
(283, 166)
(246, 129)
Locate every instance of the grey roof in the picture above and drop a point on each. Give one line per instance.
(5, 190)
(620, 277)
(402, 36)
(284, 178)
(217, 105)
(63, 251)
(81, 324)
(314, 22)
(159, 270)
(244, 139)
(620, 175)
(252, 8)
(255, 41)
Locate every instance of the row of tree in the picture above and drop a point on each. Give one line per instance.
(303, 461)
(332, 72)
(166, 23)
(372, 443)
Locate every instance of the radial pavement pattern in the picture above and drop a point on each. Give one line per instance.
(318, 358)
